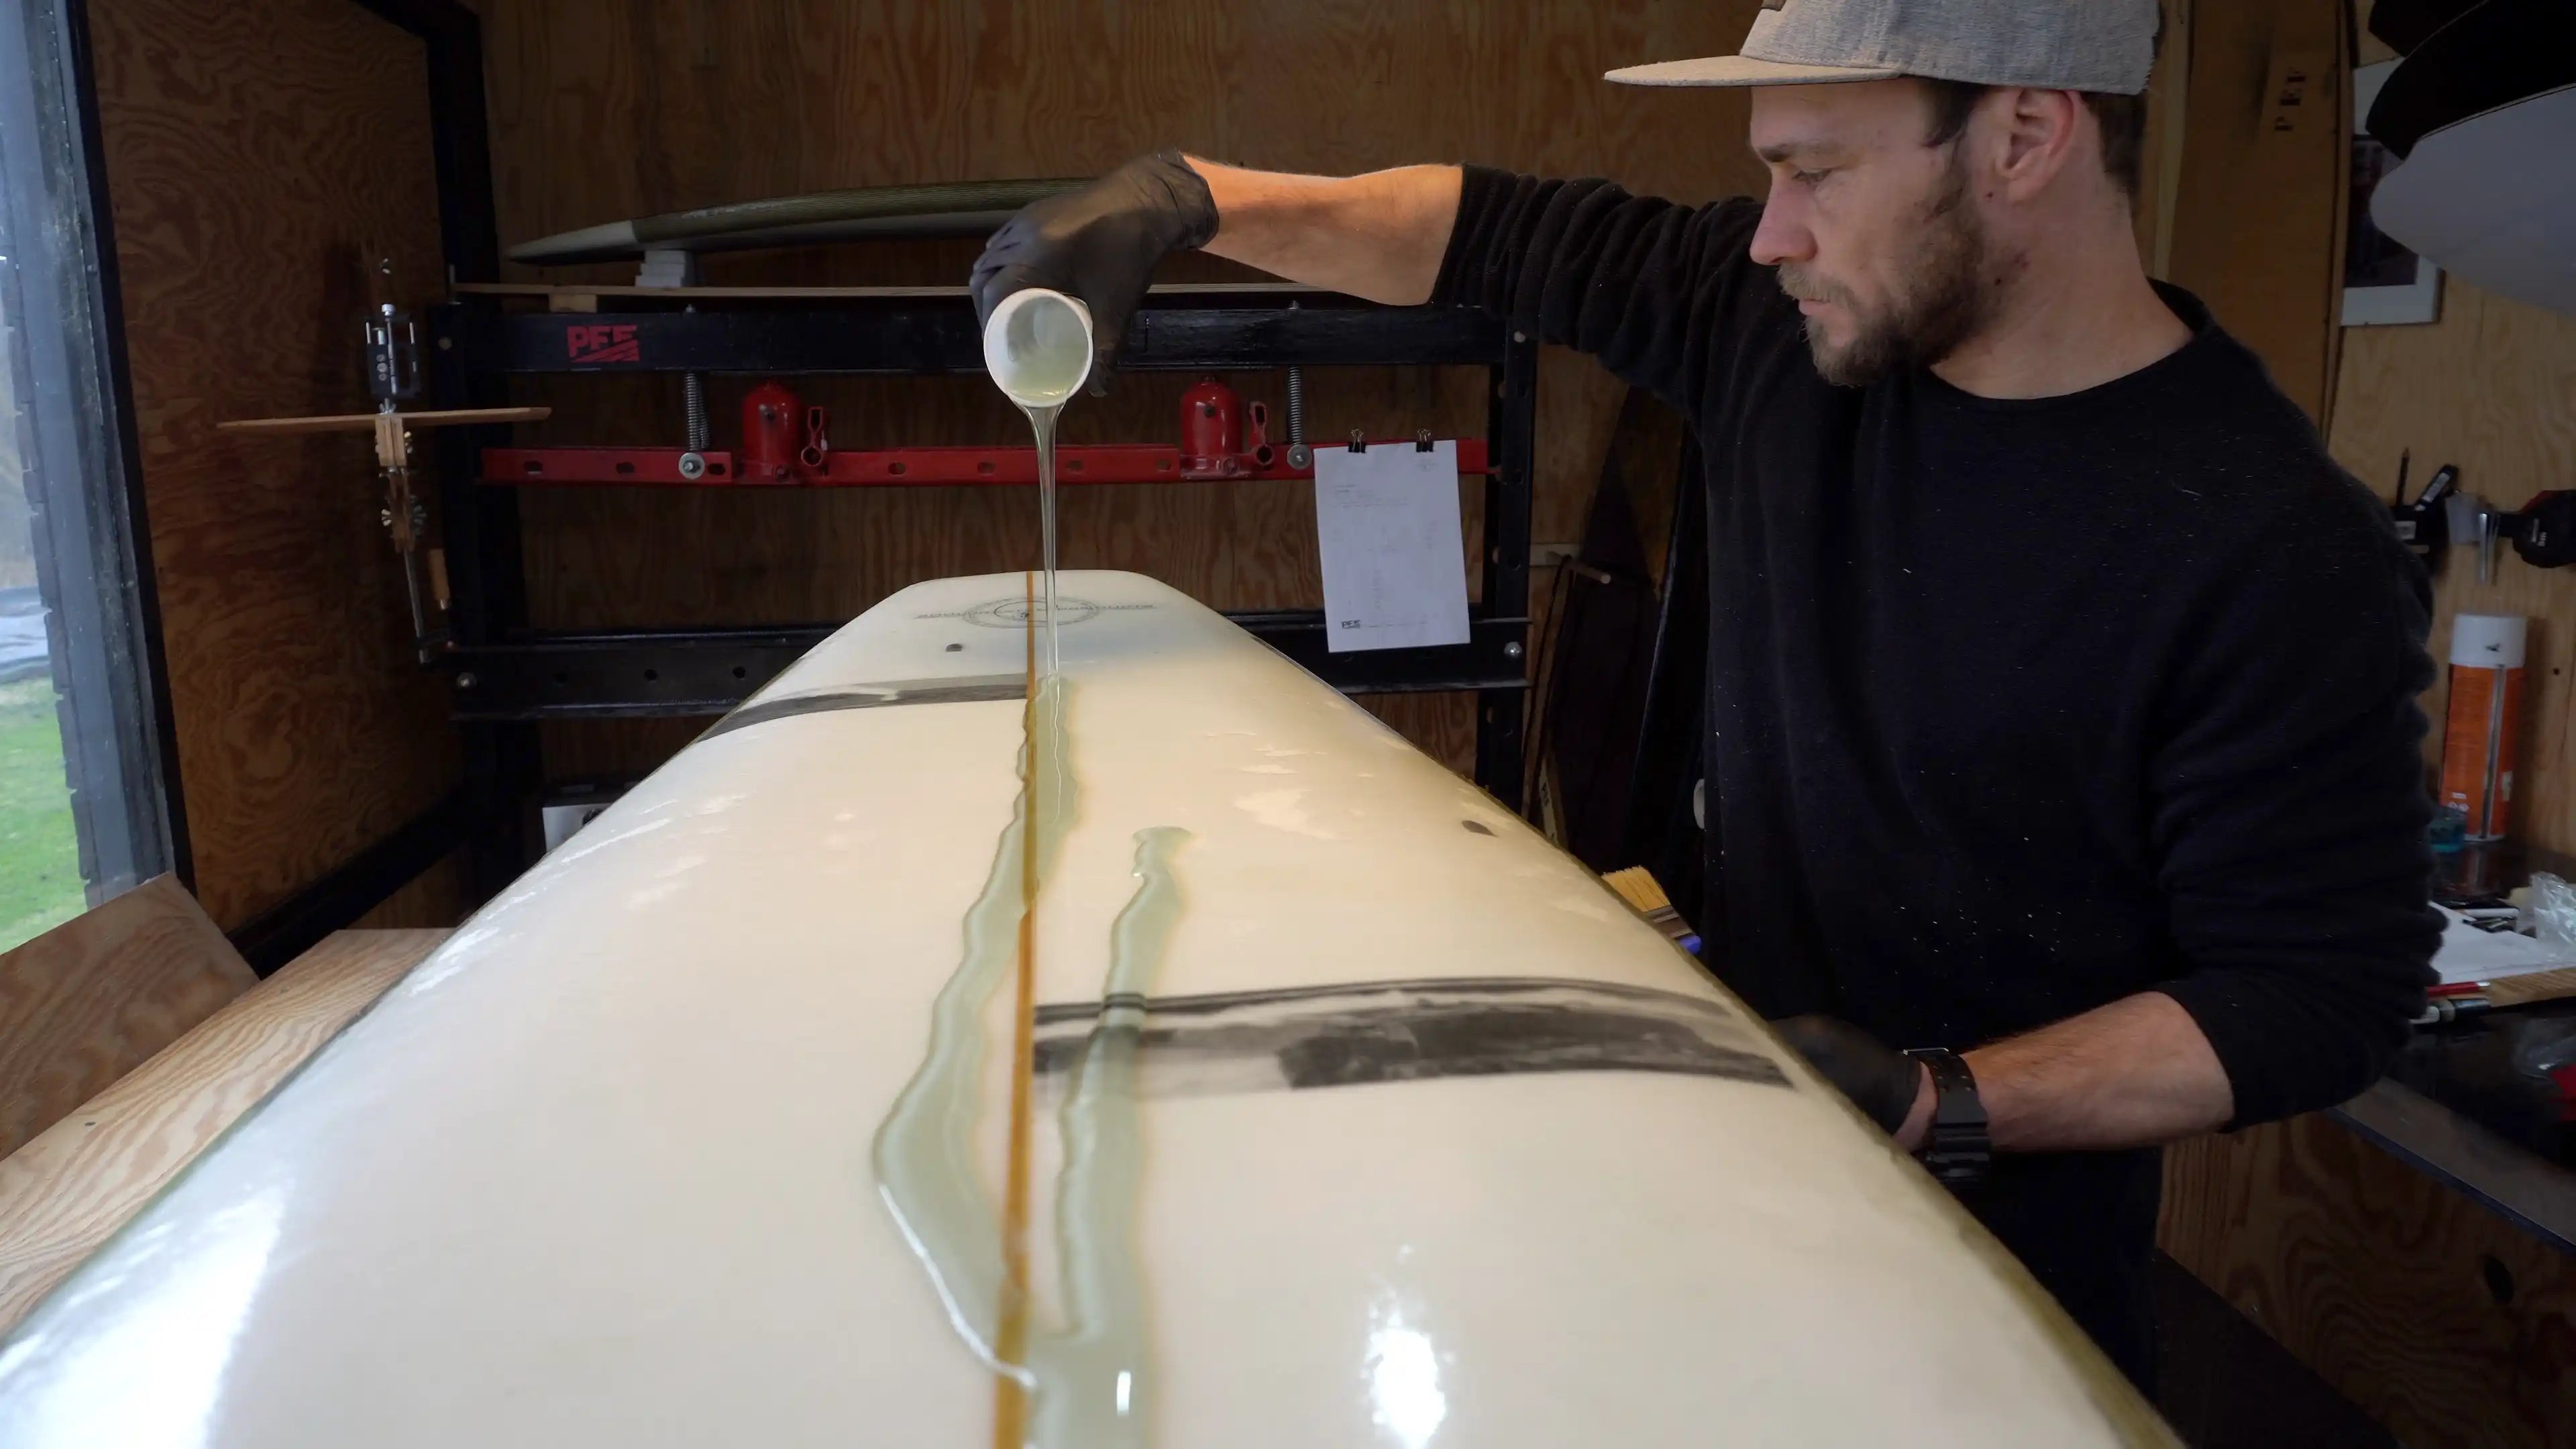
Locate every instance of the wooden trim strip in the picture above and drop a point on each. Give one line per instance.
(1011, 1335)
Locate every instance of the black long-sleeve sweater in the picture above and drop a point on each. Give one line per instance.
(2019, 707)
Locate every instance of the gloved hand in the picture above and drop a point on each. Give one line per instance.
(1879, 1079)
(1099, 244)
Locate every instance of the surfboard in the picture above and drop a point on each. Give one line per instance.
(813, 218)
(1161, 1053)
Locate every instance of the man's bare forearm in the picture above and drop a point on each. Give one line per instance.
(1380, 236)
(2131, 1074)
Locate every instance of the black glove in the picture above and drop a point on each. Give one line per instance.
(1881, 1081)
(1099, 244)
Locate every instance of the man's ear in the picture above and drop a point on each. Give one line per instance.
(2035, 135)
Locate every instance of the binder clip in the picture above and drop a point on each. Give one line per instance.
(1359, 441)
(1422, 440)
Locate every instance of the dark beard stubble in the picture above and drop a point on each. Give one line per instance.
(1941, 305)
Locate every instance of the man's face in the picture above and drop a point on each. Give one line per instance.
(1873, 231)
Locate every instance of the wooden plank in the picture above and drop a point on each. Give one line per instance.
(2440, 1319)
(69, 1190)
(2536, 986)
(366, 422)
(2160, 160)
(260, 157)
(81, 1004)
(2255, 214)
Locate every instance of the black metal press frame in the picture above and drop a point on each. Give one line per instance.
(508, 676)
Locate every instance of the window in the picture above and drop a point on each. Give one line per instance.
(86, 773)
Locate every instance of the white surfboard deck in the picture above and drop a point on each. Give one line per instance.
(1440, 1145)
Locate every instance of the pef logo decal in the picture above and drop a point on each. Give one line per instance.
(602, 343)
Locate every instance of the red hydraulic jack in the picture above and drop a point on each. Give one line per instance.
(787, 444)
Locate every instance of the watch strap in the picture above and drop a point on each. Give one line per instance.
(1957, 1149)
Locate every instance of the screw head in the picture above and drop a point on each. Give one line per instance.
(1512, 650)
(1300, 456)
(693, 465)
(465, 679)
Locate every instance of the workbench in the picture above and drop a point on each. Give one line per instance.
(2415, 1247)
(2463, 1155)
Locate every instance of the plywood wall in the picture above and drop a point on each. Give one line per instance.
(2491, 387)
(603, 110)
(251, 148)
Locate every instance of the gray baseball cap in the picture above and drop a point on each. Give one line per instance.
(2072, 45)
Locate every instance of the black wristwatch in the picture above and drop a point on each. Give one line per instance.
(1957, 1148)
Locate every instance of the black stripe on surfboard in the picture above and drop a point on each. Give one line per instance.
(1402, 1031)
(973, 690)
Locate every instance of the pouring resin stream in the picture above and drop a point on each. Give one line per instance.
(1037, 345)
(1078, 1382)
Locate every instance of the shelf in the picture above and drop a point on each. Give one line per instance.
(902, 467)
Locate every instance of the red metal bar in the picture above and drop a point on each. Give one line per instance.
(648, 466)
(932, 467)
(902, 467)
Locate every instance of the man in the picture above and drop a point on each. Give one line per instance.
(2062, 692)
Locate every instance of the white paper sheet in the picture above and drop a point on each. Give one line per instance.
(1395, 565)
(2471, 953)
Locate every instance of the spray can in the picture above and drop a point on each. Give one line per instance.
(2481, 738)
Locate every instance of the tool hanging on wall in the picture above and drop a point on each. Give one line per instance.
(2424, 525)
(2467, 521)
(2545, 531)
(391, 347)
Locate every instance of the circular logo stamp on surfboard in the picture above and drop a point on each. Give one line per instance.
(1015, 611)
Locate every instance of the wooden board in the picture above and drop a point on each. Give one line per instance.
(366, 422)
(68, 1191)
(2537, 986)
(81, 1004)
(2258, 206)
(1248, 1063)
(2160, 160)
(2440, 1320)
(251, 150)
